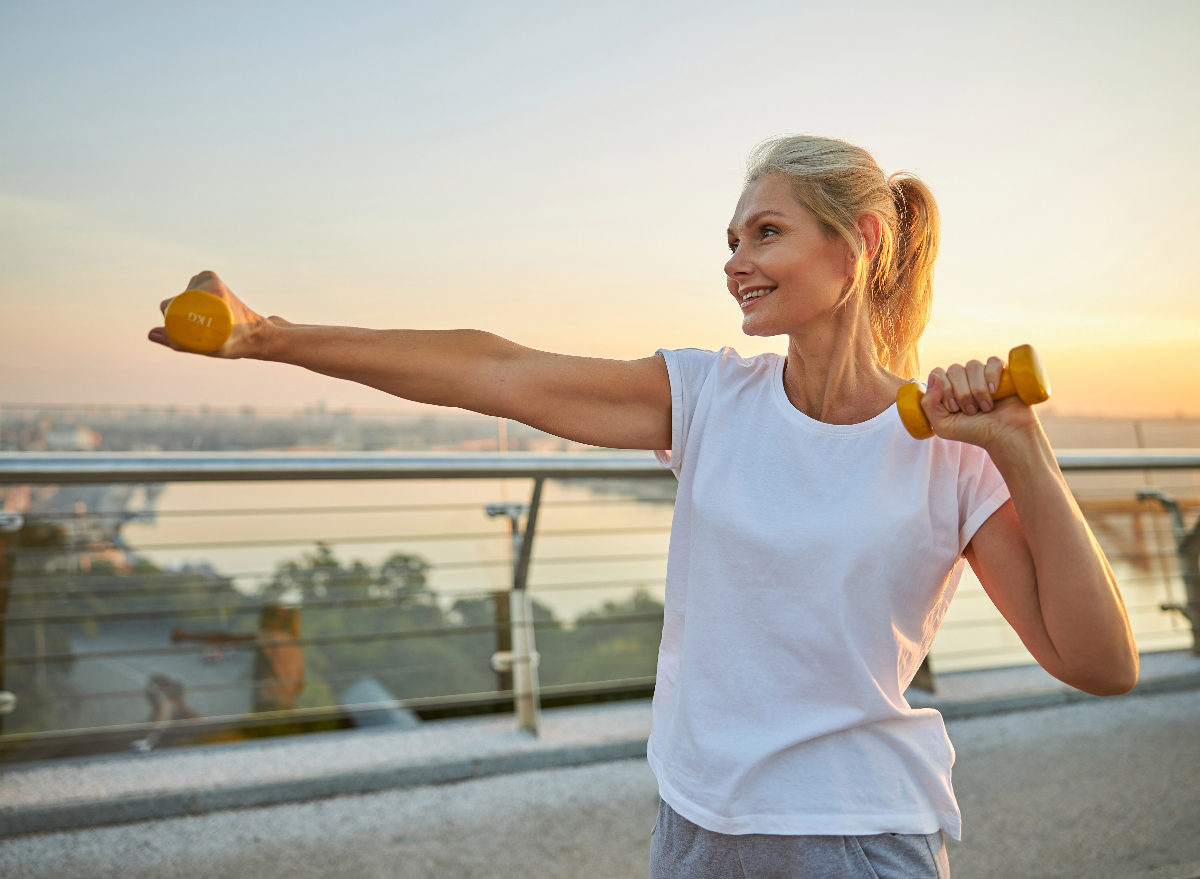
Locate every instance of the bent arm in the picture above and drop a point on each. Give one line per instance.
(619, 404)
(1042, 567)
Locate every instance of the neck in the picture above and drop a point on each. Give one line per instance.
(832, 373)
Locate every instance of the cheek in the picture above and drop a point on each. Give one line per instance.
(798, 271)
(820, 271)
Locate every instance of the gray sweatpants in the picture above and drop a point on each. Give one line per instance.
(681, 850)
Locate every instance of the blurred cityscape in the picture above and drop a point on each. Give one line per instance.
(27, 428)
(32, 427)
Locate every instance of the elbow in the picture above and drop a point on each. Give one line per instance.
(1117, 678)
(1112, 686)
(1126, 680)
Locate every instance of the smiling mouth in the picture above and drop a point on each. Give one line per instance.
(753, 295)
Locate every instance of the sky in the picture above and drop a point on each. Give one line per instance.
(562, 174)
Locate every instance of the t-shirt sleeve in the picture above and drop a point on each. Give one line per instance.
(981, 491)
(689, 369)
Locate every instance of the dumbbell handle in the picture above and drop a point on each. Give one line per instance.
(1024, 377)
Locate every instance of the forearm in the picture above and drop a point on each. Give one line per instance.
(1074, 591)
(442, 367)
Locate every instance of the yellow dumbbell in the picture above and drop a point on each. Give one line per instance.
(198, 321)
(1023, 377)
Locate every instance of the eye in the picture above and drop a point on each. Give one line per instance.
(768, 231)
(733, 245)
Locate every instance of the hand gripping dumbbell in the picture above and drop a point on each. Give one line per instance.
(1023, 377)
(198, 321)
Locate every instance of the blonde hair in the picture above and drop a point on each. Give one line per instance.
(839, 183)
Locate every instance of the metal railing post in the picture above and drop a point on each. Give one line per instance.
(525, 655)
(1187, 545)
(516, 657)
(502, 601)
(10, 528)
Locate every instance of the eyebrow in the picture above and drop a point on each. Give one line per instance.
(754, 218)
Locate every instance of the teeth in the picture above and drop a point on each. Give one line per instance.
(754, 294)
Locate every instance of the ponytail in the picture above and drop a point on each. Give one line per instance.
(902, 285)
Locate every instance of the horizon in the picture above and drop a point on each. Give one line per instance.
(409, 409)
(79, 412)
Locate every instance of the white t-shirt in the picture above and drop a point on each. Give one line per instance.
(810, 567)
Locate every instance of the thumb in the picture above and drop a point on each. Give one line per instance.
(934, 390)
(932, 403)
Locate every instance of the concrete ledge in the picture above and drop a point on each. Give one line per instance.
(171, 804)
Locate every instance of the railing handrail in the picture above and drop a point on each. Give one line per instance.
(108, 467)
(1128, 459)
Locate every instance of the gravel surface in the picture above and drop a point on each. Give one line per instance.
(588, 821)
(1096, 789)
(1099, 789)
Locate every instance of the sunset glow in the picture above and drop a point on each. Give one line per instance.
(563, 177)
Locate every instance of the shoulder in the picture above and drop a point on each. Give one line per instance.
(697, 363)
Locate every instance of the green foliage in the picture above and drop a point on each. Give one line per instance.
(615, 641)
(352, 609)
(45, 583)
(619, 640)
(391, 598)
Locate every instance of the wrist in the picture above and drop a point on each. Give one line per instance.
(265, 338)
(1021, 448)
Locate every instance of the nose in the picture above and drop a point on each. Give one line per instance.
(737, 265)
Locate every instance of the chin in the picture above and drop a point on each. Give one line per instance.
(758, 328)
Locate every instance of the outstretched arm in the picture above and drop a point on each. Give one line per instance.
(619, 404)
(1036, 556)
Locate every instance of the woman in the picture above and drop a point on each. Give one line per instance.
(815, 546)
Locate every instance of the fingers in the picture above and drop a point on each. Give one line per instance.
(968, 390)
(992, 372)
(159, 335)
(977, 383)
(207, 281)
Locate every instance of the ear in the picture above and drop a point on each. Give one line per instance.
(870, 231)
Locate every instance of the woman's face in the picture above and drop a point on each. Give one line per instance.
(785, 270)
